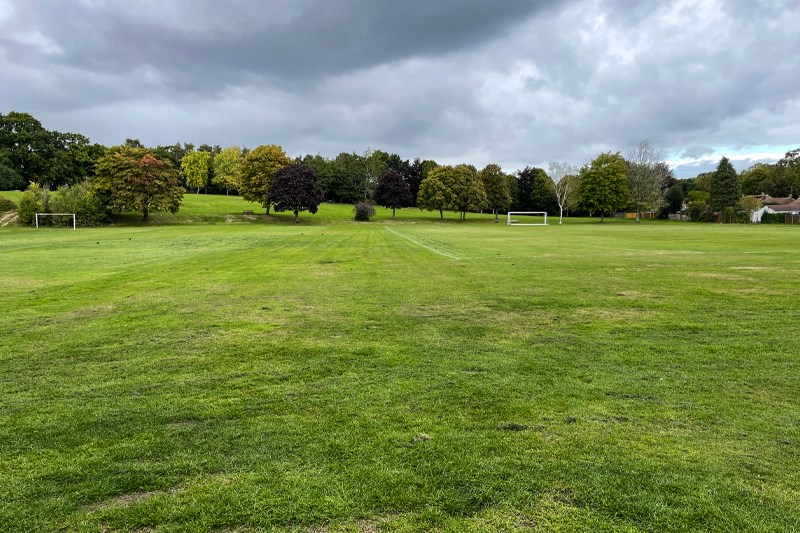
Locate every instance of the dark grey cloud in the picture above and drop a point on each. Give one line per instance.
(205, 44)
(514, 82)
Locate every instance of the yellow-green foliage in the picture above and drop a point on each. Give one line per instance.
(436, 190)
(227, 168)
(32, 202)
(195, 169)
(257, 169)
(468, 193)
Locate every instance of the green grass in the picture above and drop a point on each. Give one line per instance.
(245, 376)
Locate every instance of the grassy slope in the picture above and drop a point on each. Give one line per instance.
(197, 377)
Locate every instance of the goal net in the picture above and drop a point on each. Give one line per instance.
(527, 218)
(55, 219)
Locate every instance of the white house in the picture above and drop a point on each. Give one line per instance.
(792, 208)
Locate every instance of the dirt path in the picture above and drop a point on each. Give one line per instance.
(8, 218)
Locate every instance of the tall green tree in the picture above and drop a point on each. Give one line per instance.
(195, 168)
(133, 179)
(258, 167)
(341, 179)
(10, 179)
(603, 184)
(27, 145)
(525, 178)
(294, 188)
(754, 180)
(227, 168)
(172, 154)
(791, 163)
(673, 201)
(436, 190)
(467, 189)
(542, 195)
(72, 160)
(725, 187)
(413, 176)
(393, 191)
(513, 190)
(778, 180)
(495, 184)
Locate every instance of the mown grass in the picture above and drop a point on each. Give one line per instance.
(263, 376)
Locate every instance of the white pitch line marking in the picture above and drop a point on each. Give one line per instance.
(434, 250)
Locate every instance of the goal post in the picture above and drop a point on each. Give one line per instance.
(527, 218)
(74, 225)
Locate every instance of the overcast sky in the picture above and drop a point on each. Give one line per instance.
(517, 82)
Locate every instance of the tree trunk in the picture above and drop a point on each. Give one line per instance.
(296, 220)
(267, 208)
(495, 216)
(560, 214)
(638, 214)
(145, 213)
(441, 215)
(602, 216)
(393, 213)
(198, 190)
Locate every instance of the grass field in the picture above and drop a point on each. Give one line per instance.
(211, 372)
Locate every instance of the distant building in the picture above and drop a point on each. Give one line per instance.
(792, 208)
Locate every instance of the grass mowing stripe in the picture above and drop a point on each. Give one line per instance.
(266, 376)
(434, 250)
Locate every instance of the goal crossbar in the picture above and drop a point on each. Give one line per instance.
(74, 225)
(514, 222)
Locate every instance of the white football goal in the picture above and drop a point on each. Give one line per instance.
(60, 217)
(527, 218)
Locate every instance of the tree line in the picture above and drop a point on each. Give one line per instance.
(132, 177)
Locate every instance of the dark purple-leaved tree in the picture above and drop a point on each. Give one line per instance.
(294, 188)
(393, 191)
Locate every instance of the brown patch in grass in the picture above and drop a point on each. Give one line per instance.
(717, 275)
(126, 500)
(91, 310)
(631, 294)
(612, 314)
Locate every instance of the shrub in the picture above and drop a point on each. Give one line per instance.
(699, 212)
(363, 211)
(33, 201)
(7, 205)
(773, 218)
(89, 209)
(728, 215)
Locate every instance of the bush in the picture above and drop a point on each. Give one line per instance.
(363, 211)
(7, 205)
(699, 212)
(728, 215)
(773, 218)
(33, 201)
(89, 209)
